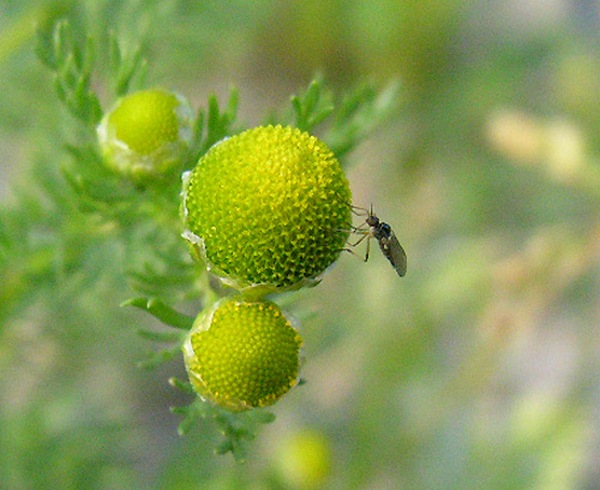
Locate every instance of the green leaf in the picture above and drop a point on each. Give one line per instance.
(155, 359)
(360, 113)
(114, 54)
(73, 64)
(161, 336)
(88, 57)
(184, 386)
(164, 313)
(125, 66)
(219, 122)
(237, 428)
(312, 107)
(191, 413)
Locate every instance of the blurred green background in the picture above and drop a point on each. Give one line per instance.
(479, 370)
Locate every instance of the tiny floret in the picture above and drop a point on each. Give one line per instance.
(242, 354)
(267, 208)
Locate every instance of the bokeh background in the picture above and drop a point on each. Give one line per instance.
(479, 370)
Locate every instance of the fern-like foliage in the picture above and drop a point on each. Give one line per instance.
(348, 121)
(237, 429)
(140, 224)
(72, 61)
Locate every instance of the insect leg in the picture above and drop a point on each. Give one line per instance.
(358, 211)
(364, 234)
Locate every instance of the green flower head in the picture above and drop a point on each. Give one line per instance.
(146, 134)
(242, 354)
(267, 208)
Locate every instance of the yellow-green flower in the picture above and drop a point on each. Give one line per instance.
(242, 354)
(304, 459)
(268, 208)
(146, 134)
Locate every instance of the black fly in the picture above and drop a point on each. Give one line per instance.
(388, 243)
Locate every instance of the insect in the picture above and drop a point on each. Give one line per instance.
(388, 243)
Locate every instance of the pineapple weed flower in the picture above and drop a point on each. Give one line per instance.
(242, 354)
(146, 133)
(266, 210)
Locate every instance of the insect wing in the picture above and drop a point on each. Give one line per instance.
(393, 251)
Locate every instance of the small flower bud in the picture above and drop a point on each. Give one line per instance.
(304, 459)
(146, 134)
(242, 354)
